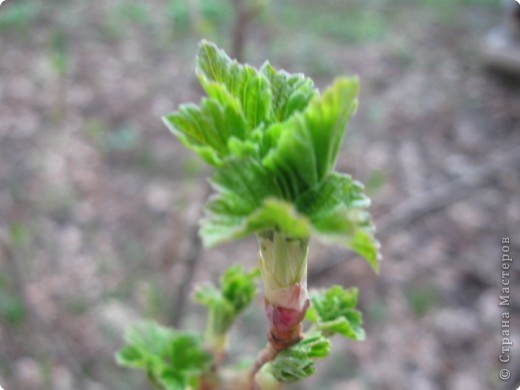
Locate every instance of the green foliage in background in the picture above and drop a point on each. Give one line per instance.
(236, 292)
(172, 360)
(18, 16)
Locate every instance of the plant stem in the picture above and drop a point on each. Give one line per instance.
(283, 263)
(264, 356)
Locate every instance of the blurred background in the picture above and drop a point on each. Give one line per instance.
(99, 203)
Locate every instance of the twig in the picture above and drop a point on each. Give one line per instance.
(264, 356)
(190, 261)
(434, 200)
(244, 15)
(446, 194)
(55, 343)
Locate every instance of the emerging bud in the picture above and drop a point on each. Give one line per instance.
(283, 264)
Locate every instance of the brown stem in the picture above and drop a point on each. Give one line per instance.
(285, 331)
(264, 356)
(191, 261)
(244, 15)
(286, 325)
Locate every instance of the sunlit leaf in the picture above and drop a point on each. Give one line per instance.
(297, 362)
(307, 144)
(334, 311)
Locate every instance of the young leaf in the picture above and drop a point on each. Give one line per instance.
(221, 311)
(334, 311)
(297, 362)
(243, 82)
(168, 379)
(149, 337)
(291, 93)
(308, 143)
(239, 287)
(237, 290)
(186, 354)
(337, 208)
(171, 359)
(274, 140)
(207, 129)
(246, 202)
(273, 214)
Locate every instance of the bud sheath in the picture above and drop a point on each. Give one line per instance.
(283, 264)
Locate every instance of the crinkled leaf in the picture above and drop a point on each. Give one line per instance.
(187, 354)
(307, 144)
(239, 287)
(170, 358)
(171, 380)
(290, 368)
(245, 203)
(334, 311)
(243, 82)
(221, 311)
(149, 337)
(337, 208)
(315, 347)
(291, 93)
(297, 362)
(237, 290)
(207, 129)
(274, 140)
(131, 356)
(242, 185)
(273, 214)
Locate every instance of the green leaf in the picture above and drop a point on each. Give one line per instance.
(131, 356)
(334, 311)
(171, 380)
(274, 141)
(221, 311)
(315, 347)
(291, 93)
(273, 214)
(207, 129)
(297, 362)
(187, 354)
(245, 203)
(149, 337)
(237, 291)
(170, 358)
(243, 82)
(334, 210)
(239, 287)
(307, 144)
(337, 208)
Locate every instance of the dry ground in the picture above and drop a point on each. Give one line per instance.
(98, 200)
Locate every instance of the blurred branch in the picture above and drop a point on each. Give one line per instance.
(195, 17)
(55, 343)
(244, 14)
(433, 200)
(190, 261)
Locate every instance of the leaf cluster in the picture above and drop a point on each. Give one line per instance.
(332, 311)
(173, 360)
(237, 290)
(297, 362)
(273, 140)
